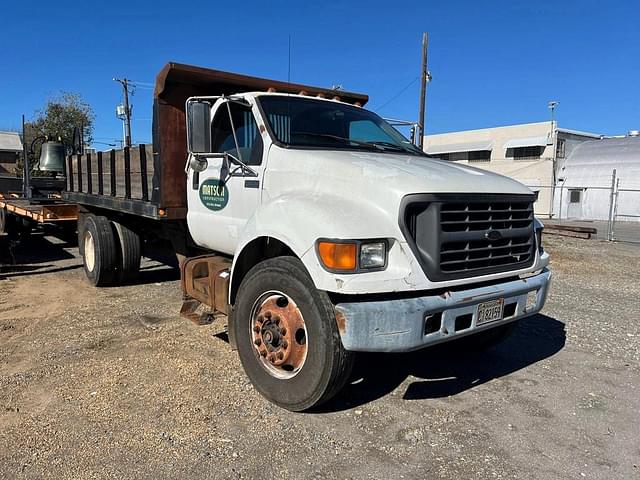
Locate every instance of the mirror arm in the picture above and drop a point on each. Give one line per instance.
(233, 130)
(245, 168)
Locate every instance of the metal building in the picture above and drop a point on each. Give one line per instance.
(586, 188)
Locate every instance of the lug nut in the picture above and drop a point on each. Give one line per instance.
(267, 314)
(258, 342)
(271, 358)
(256, 329)
(285, 344)
(280, 355)
(283, 331)
(260, 318)
(263, 353)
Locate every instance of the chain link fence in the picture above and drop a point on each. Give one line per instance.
(612, 210)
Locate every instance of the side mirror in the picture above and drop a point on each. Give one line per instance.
(198, 126)
(198, 164)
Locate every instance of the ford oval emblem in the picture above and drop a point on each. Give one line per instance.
(493, 235)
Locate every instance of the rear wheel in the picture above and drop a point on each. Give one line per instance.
(129, 242)
(99, 249)
(287, 336)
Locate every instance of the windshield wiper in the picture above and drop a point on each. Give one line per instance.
(390, 146)
(367, 145)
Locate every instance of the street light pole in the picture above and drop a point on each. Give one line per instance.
(554, 142)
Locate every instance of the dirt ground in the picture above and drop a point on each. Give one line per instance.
(112, 383)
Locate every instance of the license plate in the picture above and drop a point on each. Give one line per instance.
(490, 311)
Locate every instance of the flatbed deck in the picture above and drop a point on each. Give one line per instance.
(40, 211)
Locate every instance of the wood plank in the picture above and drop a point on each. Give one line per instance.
(571, 228)
(566, 233)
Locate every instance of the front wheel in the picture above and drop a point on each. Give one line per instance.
(287, 336)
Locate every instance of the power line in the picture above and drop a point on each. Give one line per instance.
(142, 84)
(397, 94)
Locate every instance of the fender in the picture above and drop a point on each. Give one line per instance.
(298, 220)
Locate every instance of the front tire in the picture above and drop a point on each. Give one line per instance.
(287, 336)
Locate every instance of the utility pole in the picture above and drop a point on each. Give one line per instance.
(26, 173)
(127, 111)
(425, 77)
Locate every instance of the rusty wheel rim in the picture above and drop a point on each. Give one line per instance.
(279, 334)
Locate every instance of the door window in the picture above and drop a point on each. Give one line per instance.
(246, 130)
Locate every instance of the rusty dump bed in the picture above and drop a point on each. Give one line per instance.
(150, 180)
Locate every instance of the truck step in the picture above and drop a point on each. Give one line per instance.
(205, 281)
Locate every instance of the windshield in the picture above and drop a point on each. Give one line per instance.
(305, 122)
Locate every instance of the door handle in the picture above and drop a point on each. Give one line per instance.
(252, 184)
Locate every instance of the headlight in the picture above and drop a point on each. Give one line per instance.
(352, 256)
(373, 255)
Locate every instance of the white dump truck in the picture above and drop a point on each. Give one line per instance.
(313, 225)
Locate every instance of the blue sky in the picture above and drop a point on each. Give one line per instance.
(493, 63)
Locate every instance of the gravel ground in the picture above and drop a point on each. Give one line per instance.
(111, 383)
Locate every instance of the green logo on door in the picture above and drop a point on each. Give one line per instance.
(214, 194)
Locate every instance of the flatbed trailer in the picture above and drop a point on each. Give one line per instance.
(19, 215)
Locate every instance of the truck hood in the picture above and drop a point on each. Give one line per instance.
(397, 173)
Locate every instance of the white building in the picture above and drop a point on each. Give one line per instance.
(529, 152)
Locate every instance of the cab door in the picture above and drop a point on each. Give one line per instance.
(223, 196)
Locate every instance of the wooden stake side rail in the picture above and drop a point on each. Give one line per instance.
(40, 213)
(126, 173)
(121, 180)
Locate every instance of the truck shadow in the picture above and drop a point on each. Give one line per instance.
(446, 369)
(157, 273)
(31, 254)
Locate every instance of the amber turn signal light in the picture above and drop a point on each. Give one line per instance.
(338, 256)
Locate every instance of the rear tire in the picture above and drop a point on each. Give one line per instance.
(99, 251)
(130, 255)
(314, 365)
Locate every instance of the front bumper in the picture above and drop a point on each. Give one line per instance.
(401, 325)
